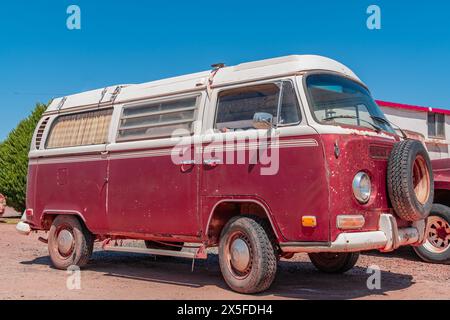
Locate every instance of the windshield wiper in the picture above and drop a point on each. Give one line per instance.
(405, 136)
(377, 128)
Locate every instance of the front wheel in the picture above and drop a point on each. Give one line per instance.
(436, 248)
(247, 256)
(69, 243)
(330, 262)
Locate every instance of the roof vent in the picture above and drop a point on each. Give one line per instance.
(40, 133)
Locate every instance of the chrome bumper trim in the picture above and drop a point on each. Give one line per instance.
(389, 237)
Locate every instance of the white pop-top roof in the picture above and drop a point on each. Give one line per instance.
(276, 67)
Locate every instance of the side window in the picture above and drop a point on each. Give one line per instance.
(290, 109)
(436, 125)
(81, 129)
(157, 120)
(236, 107)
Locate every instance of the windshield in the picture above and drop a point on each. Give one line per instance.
(337, 100)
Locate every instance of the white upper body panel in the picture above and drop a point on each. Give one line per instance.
(251, 71)
(278, 67)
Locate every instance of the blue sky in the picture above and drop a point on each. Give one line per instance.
(135, 41)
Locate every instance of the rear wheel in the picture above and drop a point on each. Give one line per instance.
(69, 243)
(247, 256)
(436, 248)
(331, 262)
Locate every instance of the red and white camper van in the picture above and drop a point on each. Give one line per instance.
(263, 159)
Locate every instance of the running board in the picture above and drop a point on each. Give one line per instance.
(200, 254)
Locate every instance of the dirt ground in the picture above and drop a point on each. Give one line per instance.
(26, 273)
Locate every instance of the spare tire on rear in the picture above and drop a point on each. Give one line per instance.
(410, 180)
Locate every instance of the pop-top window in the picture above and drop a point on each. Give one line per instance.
(81, 129)
(236, 107)
(158, 120)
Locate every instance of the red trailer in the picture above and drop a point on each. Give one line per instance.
(264, 160)
(437, 245)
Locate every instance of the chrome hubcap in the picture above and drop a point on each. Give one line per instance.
(438, 239)
(65, 242)
(240, 255)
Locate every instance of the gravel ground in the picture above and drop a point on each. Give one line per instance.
(26, 273)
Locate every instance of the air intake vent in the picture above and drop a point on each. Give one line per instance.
(40, 133)
(379, 152)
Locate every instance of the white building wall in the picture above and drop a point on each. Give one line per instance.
(417, 121)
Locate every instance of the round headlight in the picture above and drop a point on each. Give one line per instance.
(362, 187)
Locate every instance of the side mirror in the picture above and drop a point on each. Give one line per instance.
(263, 120)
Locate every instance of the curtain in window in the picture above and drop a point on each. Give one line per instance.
(88, 128)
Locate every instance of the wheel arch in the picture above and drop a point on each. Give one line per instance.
(225, 209)
(48, 216)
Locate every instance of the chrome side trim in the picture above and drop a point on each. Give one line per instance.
(127, 154)
(306, 244)
(167, 253)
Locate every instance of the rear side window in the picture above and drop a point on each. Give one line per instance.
(158, 120)
(81, 129)
(236, 107)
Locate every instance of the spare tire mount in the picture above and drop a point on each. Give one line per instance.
(410, 180)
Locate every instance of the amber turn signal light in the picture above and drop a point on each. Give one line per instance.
(350, 222)
(309, 221)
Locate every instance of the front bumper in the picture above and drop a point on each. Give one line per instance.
(388, 238)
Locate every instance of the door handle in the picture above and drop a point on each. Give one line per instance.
(187, 163)
(212, 162)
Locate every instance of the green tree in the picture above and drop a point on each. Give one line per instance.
(14, 159)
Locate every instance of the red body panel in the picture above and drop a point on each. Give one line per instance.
(299, 188)
(78, 187)
(145, 196)
(441, 171)
(358, 153)
(152, 195)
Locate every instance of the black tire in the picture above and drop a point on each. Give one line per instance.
(330, 262)
(177, 246)
(410, 180)
(262, 266)
(82, 244)
(433, 251)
